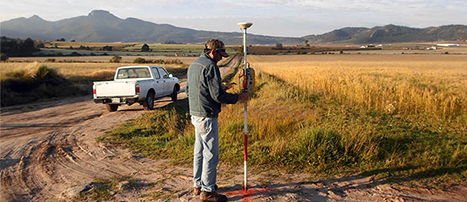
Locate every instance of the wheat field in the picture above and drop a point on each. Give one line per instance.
(407, 85)
(326, 113)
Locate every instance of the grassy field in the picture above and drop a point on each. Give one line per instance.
(125, 49)
(400, 118)
(89, 66)
(99, 59)
(74, 70)
(26, 82)
(430, 86)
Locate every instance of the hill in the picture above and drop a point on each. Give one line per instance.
(391, 34)
(103, 26)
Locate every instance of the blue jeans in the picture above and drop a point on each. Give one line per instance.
(206, 152)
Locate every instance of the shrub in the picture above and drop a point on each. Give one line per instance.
(3, 57)
(116, 59)
(47, 75)
(23, 87)
(139, 60)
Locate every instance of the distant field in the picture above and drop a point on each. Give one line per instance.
(101, 59)
(88, 66)
(59, 48)
(125, 49)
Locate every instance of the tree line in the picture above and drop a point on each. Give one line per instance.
(17, 47)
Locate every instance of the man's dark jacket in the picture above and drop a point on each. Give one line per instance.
(204, 89)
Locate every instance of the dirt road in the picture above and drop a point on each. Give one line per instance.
(49, 153)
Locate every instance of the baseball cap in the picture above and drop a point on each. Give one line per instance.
(216, 45)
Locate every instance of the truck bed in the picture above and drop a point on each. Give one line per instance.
(115, 88)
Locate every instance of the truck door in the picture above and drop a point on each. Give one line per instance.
(158, 82)
(166, 80)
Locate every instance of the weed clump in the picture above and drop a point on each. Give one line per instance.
(24, 86)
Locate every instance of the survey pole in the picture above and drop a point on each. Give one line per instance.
(244, 26)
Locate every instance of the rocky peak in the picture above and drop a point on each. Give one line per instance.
(100, 13)
(36, 18)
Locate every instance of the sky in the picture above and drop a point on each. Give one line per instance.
(290, 18)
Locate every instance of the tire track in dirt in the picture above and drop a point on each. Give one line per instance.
(48, 147)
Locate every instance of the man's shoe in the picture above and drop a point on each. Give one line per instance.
(197, 191)
(212, 197)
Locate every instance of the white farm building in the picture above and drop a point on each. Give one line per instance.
(447, 45)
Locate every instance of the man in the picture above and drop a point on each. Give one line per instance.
(205, 95)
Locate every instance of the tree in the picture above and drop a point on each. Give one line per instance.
(3, 57)
(28, 44)
(306, 42)
(75, 54)
(40, 45)
(279, 46)
(17, 47)
(107, 48)
(139, 60)
(145, 48)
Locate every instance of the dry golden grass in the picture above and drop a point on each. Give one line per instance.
(25, 82)
(67, 44)
(413, 85)
(104, 59)
(329, 114)
(71, 69)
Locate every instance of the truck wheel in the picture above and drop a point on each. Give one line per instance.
(111, 108)
(174, 94)
(148, 103)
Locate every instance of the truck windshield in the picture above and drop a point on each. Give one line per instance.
(133, 73)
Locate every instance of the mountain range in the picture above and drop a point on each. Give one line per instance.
(103, 26)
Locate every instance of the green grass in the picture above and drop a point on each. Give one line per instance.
(158, 134)
(294, 130)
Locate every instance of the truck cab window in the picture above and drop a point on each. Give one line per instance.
(133, 73)
(163, 73)
(156, 73)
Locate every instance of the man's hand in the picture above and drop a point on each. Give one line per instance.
(226, 86)
(243, 96)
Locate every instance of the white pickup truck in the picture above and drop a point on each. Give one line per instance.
(136, 84)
